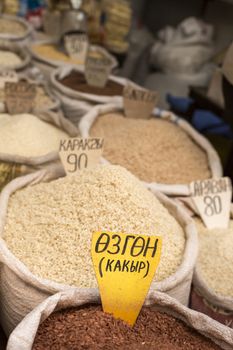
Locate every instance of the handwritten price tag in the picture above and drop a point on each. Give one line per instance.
(79, 153)
(125, 265)
(7, 75)
(20, 97)
(139, 103)
(76, 46)
(97, 70)
(212, 199)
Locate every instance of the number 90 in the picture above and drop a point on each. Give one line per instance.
(78, 162)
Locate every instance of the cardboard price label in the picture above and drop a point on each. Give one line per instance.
(212, 199)
(125, 265)
(97, 70)
(20, 97)
(7, 75)
(79, 153)
(76, 46)
(139, 103)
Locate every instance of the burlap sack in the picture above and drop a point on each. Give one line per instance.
(24, 334)
(17, 38)
(47, 65)
(12, 166)
(21, 291)
(76, 104)
(205, 300)
(173, 190)
(19, 50)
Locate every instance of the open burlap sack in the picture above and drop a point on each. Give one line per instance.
(76, 104)
(21, 290)
(16, 37)
(19, 50)
(170, 189)
(24, 334)
(15, 165)
(206, 300)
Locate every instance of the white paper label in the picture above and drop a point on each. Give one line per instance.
(7, 75)
(76, 46)
(212, 199)
(80, 153)
(97, 70)
(139, 103)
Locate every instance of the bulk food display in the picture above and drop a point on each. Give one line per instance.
(60, 216)
(164, 149)
(77, 97)
(70, 319)
(213, 290)
(29, 142)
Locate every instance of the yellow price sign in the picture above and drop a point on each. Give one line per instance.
(125, 265)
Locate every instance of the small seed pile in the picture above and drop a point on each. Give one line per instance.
(154, 150)
(215, 261)
(91, 328)
(28, 136)
(51, 52)
(76, 81)
(11, 27)
(42, 99)
(52, 236)
(9, 59)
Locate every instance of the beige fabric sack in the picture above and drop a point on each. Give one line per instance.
(204, 299)
(23, 336)
(22, 38)
(21, 291)
(12, 166)
(76, 104)
(173, 190)
(19, 50)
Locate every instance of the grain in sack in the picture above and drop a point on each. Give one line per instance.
(72, 319)
(35, 138)
(164, 149)
(60, 216)
(13, 56)
(212, 291)
(15, 29)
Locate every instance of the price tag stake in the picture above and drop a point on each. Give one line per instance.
(97, 70)
(76, 46)
(139, 102)
(7, 75)
(80, 153)
(125, 265)
(212, 199)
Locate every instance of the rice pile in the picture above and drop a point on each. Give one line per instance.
(153, 150)
(9, 59)
(215, 261)
(26, 135)
(52, 235)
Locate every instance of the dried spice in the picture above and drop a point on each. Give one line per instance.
(91, 328)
